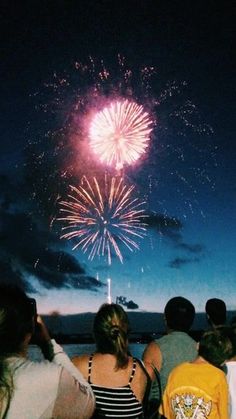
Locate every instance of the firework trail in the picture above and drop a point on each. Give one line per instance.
(119, 134)
(101, 217)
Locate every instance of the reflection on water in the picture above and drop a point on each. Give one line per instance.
(136, 349)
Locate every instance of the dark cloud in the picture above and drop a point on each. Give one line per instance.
(89, 282)
(33, 251)
(171, 229)
(192, 248)
(162, 222)
(168, 227)
(177, 263)
(11, 276)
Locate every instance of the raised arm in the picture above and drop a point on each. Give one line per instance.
(55, 353)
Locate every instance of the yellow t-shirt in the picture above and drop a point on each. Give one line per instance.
(196, 391)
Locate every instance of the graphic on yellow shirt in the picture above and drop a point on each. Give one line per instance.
(189, 406)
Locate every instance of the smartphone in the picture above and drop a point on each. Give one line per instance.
(33, 309)
(34, 315)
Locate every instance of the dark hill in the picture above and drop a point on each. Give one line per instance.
(143, 325)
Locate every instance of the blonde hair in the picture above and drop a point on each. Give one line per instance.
(111, 332)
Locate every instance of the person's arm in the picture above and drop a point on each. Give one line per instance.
(75, 397)
(72, 399)
(55, 353)
(152, 357)
(223, 399)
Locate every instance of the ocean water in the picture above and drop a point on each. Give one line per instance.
(34, 353)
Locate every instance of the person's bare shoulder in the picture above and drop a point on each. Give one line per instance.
(81, 362)
(152, 357)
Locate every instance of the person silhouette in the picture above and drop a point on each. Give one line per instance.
(216, 312)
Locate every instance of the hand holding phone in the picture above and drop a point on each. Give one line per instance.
(41, 336)
(33, 309)
(42, 339)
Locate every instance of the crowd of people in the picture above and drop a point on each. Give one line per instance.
(177, 378)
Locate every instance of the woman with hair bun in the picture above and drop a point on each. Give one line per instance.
(117, 379)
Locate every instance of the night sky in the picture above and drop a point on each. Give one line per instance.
(62, 61)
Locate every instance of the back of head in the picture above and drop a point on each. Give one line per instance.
(233, 338)
(15, 319)
(111, 332)
(216, 311)
(215, 346)
(230, 332)
(179, 314)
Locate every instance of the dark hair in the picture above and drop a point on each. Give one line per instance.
(110, 330)
(215, 347)
(15, 322)
(233, 321)
(230, 332)
(179, 314)
(216, 311)
(16, 318)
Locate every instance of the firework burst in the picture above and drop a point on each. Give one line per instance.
(119, 134)
(101, 217)
(58, 148)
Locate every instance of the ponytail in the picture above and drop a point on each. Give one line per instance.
(111, 332)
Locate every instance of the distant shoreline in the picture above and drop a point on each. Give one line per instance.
(143, 338)
(145, 326)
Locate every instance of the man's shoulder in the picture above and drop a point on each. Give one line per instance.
(194, 368)
(175, 335)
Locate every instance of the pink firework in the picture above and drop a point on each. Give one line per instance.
(101, 217)
(119, 134)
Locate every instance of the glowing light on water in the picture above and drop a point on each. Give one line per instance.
(102, 216)
(119, 134)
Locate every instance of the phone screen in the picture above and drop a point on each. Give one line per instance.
(33, 306)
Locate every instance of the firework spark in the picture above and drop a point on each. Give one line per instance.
(101, 217)
(119, 134)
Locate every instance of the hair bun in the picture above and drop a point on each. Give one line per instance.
(115, 331)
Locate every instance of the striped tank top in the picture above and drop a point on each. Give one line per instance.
(116, 402)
